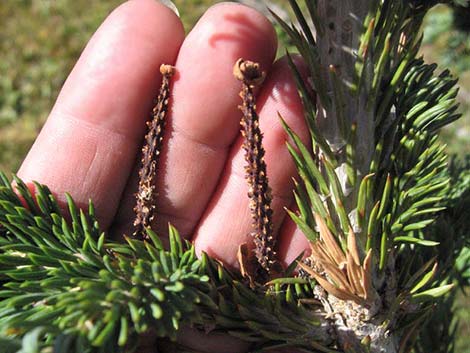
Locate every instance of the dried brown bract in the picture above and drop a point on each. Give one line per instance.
(259, 192)
(146, 195)
(339, 272)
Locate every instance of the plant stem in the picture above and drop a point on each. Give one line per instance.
(146, 195)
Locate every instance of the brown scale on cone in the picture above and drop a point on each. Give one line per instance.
(146, 195)
(259, 192)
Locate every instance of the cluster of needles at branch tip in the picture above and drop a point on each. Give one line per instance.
(250, 75)
(146, 194)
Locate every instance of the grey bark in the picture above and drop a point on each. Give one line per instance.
(344, 21)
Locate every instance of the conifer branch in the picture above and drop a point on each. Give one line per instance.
(383, 247)
(66, 286)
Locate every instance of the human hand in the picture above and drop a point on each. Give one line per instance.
(90, 144)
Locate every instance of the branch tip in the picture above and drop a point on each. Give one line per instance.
(249, 72)
(167, 70)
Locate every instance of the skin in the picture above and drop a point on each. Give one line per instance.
(90, 144)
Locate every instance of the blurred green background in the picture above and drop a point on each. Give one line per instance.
(41, 39)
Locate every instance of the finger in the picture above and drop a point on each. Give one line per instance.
(204, 120)
(89, 142)
(227, 222)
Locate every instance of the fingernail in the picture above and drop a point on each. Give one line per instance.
(171, 5)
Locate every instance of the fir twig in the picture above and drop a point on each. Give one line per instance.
(146, 195)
